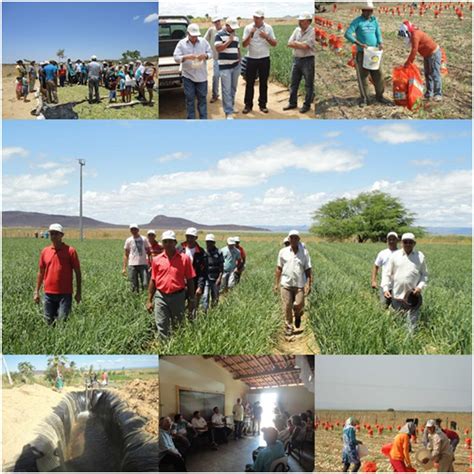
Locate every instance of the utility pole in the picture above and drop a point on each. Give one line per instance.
(81, 230)
(6, 370)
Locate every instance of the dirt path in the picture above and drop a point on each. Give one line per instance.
(12, 107)
(23, 409)
(172, 103)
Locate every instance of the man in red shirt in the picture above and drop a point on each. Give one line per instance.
(452, 435)
(56, 265)
(171, 283)
(241, 261)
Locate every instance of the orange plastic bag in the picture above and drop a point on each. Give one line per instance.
(407, 86)
(444, 63)
(369, 466)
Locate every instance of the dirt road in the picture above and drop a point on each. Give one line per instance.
(12, 107)
(23, 409)
(172, 103)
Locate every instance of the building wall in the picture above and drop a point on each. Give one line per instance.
(199, 374)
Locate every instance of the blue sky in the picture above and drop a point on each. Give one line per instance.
(110, 362)
(254, 173)
(36, 31)
(438, 383)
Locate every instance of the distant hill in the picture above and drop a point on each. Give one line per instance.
(40, 220)
(449, 230)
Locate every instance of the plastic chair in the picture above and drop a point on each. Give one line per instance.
(280, 465)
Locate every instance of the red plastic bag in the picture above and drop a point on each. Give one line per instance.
(386, 449)
(407, 85)
(369, 466)
(444, 63)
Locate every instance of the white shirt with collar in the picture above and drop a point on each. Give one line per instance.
(403, 273)
(238, 411)
(382, 259)
(258, 47)
(217, 420)
(307, 37)
(199, 423)
(294, 266)
(196, 71)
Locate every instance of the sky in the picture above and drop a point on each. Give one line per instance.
(421, 383)
(110, 362)
(243, 8)
(251, 173)
(36, 31)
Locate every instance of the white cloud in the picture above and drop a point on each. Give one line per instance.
(13, 152)
(151, 18)
(177, 156)
(136, 17)
(39, 182)
(48, 165)
(333, 134)
(425, 163)
(395, 133)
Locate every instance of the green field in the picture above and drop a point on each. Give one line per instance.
(343, 310)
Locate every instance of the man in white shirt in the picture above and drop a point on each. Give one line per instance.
(294, 278)
(221, 431)
(380, 264)
(258, 37)
(192, 53)
(136, 259)
(404, 279)
(210, 37)
(303, 43)
(238, 411)
(202, 428)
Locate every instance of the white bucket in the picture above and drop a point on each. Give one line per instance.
(362, 450)
(372, 58)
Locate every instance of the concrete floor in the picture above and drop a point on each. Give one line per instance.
(231, 457)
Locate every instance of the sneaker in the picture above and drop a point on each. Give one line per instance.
(214, 99)
(264, 110)
(304, 109)
(383, 100)
(363, 103)
(229, 117)
(289, 107)
(288, 331)
(438, 98)
(246, 110)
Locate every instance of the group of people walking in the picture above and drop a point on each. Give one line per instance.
(222, 44)
(117, 78)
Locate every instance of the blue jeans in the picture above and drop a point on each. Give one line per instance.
(302, 68)
(215, 79)
(57, 307)
(229, 79)
(434, 84)
(210, 294)
(193, 90)
(138, 276)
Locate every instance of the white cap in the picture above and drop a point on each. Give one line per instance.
(259, 14)
(231, 241)
(216, 18)
(93, 57)
(293, 232)
(168, 235)
(305, 16)
(134, 226)
(392, 233)
(286, 240)
(151, 231)
(193, 29)
(237, 239)
(210, 238)
(369, 5)
(430, 423)
(191, 231)
(233, 23)
(57, 228)
(408, 236)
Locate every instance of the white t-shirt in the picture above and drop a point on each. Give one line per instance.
(199, 423)
(383, 257)
(139, 249)
(238, 411)
(294, 266)
(217, 420)
(190, 253)
(258, 47)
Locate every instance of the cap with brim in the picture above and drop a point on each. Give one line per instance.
(133, 226)
(408, 236)
(368, 5)
(168, 235)
(230, 241)
(210, 238)
(216, 18)
(392, 234)
(430, 423)
(305, 16)
(194, 30)
(233, 23)
(93, 57)
(293, 233)
(410, 301)
(56, 228)
(151, 232)
(286, 240)
(191, 231)
(259, 14)
(237, 239)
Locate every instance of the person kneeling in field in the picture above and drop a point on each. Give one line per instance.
(440, 447)
(172, 281)
(56, 265)
(404, 279)
(420, 42)
(367, 33)
(303, 43)
(400, 450)
(381, 262)
(294, 278)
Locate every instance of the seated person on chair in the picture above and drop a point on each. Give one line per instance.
(182, 432)
(298, 435)
(268, 455)
(221, 431)
(167, 452)
(202, 428)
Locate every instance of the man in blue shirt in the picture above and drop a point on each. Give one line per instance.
(50, 74)
(267, 456)
(364, 31)
(167, 452)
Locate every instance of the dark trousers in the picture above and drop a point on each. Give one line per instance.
(302, 68)
(355, 467)
(176, 461)
(94, 89)
(238, 429)
(262, 68)
(362, 79)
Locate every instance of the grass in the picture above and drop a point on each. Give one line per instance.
(329, 444)
(344, 311)
(335, 79)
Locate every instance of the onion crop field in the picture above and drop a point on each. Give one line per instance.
(384, 426)
(343, 310)
(336, 85)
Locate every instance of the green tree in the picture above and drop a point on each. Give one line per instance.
(53, 363)
(26, 370)
(369, 216)
(131, 55)
(60, 54)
